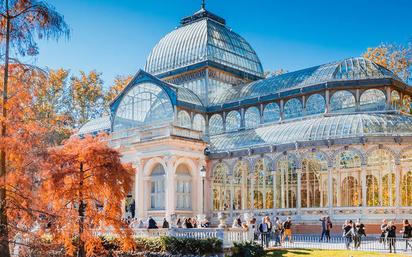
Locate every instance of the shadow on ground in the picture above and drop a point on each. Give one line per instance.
(282, 253)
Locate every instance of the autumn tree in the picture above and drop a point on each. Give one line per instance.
(51, 104)
(396, 58)
(84, 183)
(277, 72)
(20, 22)
(86, 97)
(120, 82)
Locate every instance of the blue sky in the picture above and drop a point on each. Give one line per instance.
(115, 36)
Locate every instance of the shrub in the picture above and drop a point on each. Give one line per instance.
(247, 249)
(185, 246)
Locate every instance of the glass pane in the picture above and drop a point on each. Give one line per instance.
(144, 104)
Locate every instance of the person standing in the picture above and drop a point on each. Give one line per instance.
(133, 208)
(264, 230)
(165, 223)
(152, 223)
(179, 223)
(359, 233)
(287, 225)
(324, 225)
(407, 234)
(384, 225)
(277, 229)
(391, 236)
(328, 228)
(348, 232)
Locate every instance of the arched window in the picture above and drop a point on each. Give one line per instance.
(221, 188)
(372, 191)
(342, 101)
(348, 173)
(380, 179)
(215, 124)
(286, 183)
(271, 113)
(183, 188)
(406, 104)
(293, 109)
(143, 104)
(372, 100)
(395, 100)
(157, 188)
(315, 104)
(240, 173)
(314, 171)
(199, 123)
(233, 121)
(183, 119)
(252, 117)
(262, 186)
(406, 178)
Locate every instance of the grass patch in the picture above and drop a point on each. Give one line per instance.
(327, 253)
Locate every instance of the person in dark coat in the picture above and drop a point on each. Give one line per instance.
(152, 223)
(407, 234)
(391, 236)
(165, 223)
(132, 208)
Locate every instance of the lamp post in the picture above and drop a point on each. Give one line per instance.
(203, 175)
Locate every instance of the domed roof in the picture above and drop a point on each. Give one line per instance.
(203, 37)
(345, 70)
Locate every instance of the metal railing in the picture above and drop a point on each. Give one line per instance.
(370, 243)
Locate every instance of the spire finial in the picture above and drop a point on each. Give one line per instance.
(203, 4)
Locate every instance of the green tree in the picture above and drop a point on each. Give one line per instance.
(21, 21)
(86, 97)
(51, 104)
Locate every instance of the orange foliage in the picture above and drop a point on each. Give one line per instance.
(24, 147)
(84, 183)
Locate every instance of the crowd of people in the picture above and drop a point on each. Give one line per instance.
(278, 231)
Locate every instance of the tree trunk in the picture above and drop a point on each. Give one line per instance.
(4, 235)
(82, 208)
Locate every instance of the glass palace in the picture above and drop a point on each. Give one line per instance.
(207, 133)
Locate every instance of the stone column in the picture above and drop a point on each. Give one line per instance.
(364, 189)
(299, 196)
(242, 118)
(282, 112)
(232, 191)
(261, 113)
(398, 174)
(275, 193)
(138, 190)
(170, 193)
(357, 99)
(304, 105)
(330, 190)
(327, 101)
(388, 97)
(252, 193)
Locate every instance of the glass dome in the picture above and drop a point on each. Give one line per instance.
(144, 104)
(203, 37)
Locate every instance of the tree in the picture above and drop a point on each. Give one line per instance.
(51, 104)
(84, 183)
(120, 82)
(277, 72)
(86, 97)
(396, 58)
(21, 21)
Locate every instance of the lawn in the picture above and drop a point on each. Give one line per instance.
(327, 253)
